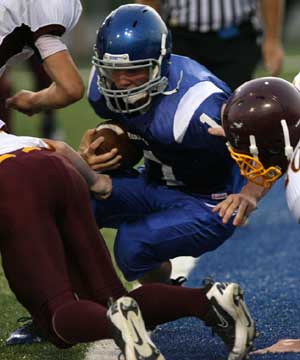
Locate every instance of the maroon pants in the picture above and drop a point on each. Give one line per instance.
(50, 245)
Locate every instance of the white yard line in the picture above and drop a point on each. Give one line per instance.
(106, 349)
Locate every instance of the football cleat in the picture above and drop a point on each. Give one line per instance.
(179, 281)
(229, 317)
(26, 334)
(128, 331)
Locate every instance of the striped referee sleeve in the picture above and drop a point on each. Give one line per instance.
(208, 15)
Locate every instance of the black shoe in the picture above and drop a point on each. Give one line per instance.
(230, 319)
(26, 334)
(178, 281)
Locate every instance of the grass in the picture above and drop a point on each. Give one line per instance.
(11, 310)
(74, 120)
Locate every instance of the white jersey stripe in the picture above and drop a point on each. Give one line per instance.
(188, 104)
(92, 73)
(205, 119)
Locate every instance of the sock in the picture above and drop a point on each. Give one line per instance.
(80, 321)
(161, 303)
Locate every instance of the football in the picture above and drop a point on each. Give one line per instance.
(115, 136)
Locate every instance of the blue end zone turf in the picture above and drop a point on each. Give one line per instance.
(263, 257)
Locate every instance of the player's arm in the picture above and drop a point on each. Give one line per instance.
(272, 12)
(99, 184)
(242, 203)
(67, 85)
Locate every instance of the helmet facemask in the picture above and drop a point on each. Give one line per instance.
(132, 37)
(133, 99)
(253, 169)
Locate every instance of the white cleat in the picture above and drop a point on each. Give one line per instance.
(229, 317)
(129, 332)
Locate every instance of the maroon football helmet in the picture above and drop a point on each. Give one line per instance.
(261, 121)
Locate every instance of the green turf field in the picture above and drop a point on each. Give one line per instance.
(74, 120)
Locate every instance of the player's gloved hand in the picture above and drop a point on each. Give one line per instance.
(87, 150)
(23, 101)
(102, 186)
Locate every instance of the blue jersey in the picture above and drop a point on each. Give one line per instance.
(178, 150)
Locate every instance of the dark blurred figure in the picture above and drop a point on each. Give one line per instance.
(48, 128)
(5, 92)
(42, 80)
(229, 38)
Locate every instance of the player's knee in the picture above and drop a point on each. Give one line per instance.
(129, 260)
(128, 257)
(209, 241)
(219, 239)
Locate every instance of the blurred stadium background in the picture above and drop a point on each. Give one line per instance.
(73, 121)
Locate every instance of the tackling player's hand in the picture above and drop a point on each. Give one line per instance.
(216, 131)
(102, 187)
(23, 101)
(240, 205)
(87, 148)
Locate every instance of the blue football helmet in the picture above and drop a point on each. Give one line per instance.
(132, 37)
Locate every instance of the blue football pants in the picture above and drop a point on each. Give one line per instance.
(156, 223)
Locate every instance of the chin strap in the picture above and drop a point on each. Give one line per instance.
(253, 148)
(170, 92)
